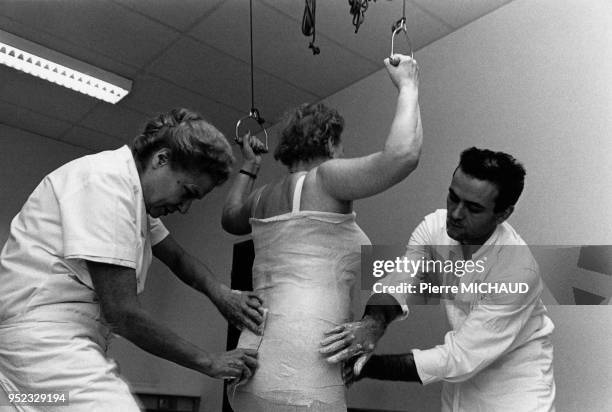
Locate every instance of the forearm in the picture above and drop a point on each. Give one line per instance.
(198, 276)
(391, 368)
(241, 187)
(383, 308)
(140, 328)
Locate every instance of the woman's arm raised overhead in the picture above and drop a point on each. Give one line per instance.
(349, 179)
(240, 199)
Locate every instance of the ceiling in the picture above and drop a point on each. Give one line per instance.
(195, 54)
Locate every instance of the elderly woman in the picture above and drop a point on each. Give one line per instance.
(77, 257)
(307, 245)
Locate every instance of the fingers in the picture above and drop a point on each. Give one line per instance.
(335, 347)
(335, 330)
(232, 370)
(238, 369)
(393, 62)
(250, 325)
(244, 138)
(403, 70)
(246, 373)
(258, 147)
(248, 365)
(256, 144)
(346, 354)
(240, 365)
(253, 146)
(249, 352)
(254, 303)
(248, 311)
(334, 338)
(250, 361)
(254, 315)
(255, 299)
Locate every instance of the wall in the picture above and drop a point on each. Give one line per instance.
(532, 79)
(26, 158)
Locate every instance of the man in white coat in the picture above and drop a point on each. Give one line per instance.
(498, 355)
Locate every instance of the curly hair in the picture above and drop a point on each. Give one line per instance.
(306, 131)
(194, 144)
(499, 168)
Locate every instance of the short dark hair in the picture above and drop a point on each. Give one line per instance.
(195, 145)
(306, 131)
(499, 168)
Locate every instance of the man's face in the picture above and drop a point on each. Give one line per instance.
(470, 205)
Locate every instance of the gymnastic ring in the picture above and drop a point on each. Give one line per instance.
(399, 27)
(238, 137)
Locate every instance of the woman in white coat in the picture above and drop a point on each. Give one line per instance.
(77, 257)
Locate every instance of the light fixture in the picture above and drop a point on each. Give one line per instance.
(58, 68)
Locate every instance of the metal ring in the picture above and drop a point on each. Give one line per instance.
(238, 136)
(401, 26)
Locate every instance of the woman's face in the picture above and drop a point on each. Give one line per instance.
(168, 189)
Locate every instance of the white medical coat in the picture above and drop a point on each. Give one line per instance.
(89, 209)
(498, 355)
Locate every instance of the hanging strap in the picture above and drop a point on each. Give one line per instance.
(357, 10)
(257, 195)
(253, 113)
(297, 194)
(308, 24)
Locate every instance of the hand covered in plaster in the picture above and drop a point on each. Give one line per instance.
(242, 309)
(354, 341)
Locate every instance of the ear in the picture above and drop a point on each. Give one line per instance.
(160, 158)
(502, 216)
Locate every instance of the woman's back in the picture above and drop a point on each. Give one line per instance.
(277, 198)
(306, 265)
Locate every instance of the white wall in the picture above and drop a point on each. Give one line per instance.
(533, 79)
(25, 159)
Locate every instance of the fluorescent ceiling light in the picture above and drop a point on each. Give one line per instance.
(58, 68)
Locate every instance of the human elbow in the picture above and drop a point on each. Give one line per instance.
(411, 160)
(406, 162)
(407, 155)
(228, 224)
(120, 319)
